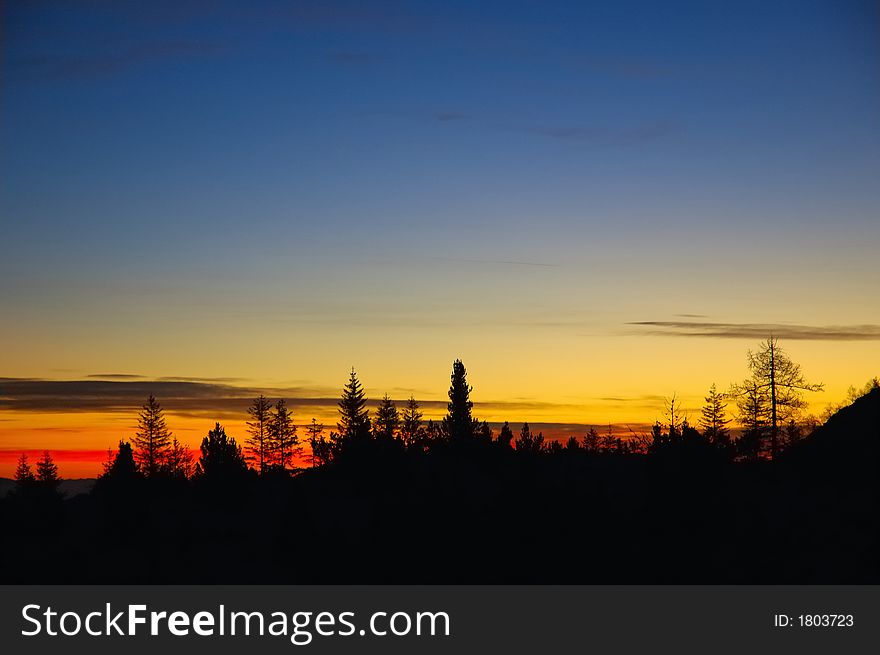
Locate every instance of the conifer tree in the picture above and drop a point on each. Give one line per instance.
(591, 440)
(284, 444)
(354, 418)
(24, 475)
(459, 424)
(713, 420)
(505, 436)
(528, 442)
(411, 423)
(257, 444)
(123, 466)
(152, 439)
(47, 471)
(178, 462)
(387, 419)
(317, 443)
(221, 457)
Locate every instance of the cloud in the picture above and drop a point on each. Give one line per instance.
(605, 136)
(69, 66)
(866, 332)
(220, 401)
(115, 376)
(508, 262)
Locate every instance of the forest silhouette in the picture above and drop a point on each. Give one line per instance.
(392, 498)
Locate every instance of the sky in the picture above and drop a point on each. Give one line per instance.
(594, 205)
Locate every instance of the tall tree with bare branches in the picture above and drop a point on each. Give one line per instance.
(775, 388)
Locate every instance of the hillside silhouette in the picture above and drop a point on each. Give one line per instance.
(392, 500)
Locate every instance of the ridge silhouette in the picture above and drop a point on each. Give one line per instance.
(394, 499)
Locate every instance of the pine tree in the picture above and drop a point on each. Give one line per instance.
(178, 463)
(152, 439)
(505, 437)
(607, 442)
(713, 421)
(751, 403)
(591, 441)
(283, 442)
(411, 423)
(47, 471)
(257, 444)
(527, 442)
(354, 418)
(458, 424)
(24, 475)
(317, 443)
(123, 466)
(221, 457)
(387, 419)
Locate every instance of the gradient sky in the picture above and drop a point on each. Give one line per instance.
(594, 205)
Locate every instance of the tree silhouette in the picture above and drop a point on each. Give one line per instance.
(411, 423)
(123, 465)
(608, 442)
(24, 475)
(505, 436)
(257, 444)
(152, 439)
(674, 418)
(47, 472)
(354, 418)
(527, 442)
(713, 420)
(178, 461)
(283, 442)
(387, 419)
(777, 384)
(221, 458)
(591, 441)
(317, 443)
(458, 424)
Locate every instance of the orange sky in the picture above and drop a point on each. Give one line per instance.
(624, 383)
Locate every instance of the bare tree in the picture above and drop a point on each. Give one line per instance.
(775, 388)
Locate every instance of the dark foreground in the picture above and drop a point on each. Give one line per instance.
(476, 513)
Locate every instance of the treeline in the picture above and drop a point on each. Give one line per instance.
(388, 497)
(767, 404)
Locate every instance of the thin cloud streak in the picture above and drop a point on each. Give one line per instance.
(508, 262)
(866, 332)
(205, 399)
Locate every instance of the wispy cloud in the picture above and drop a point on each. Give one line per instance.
(508, 262)
(115, 376)
(865, 332)
(221, 401)
(607, 136)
